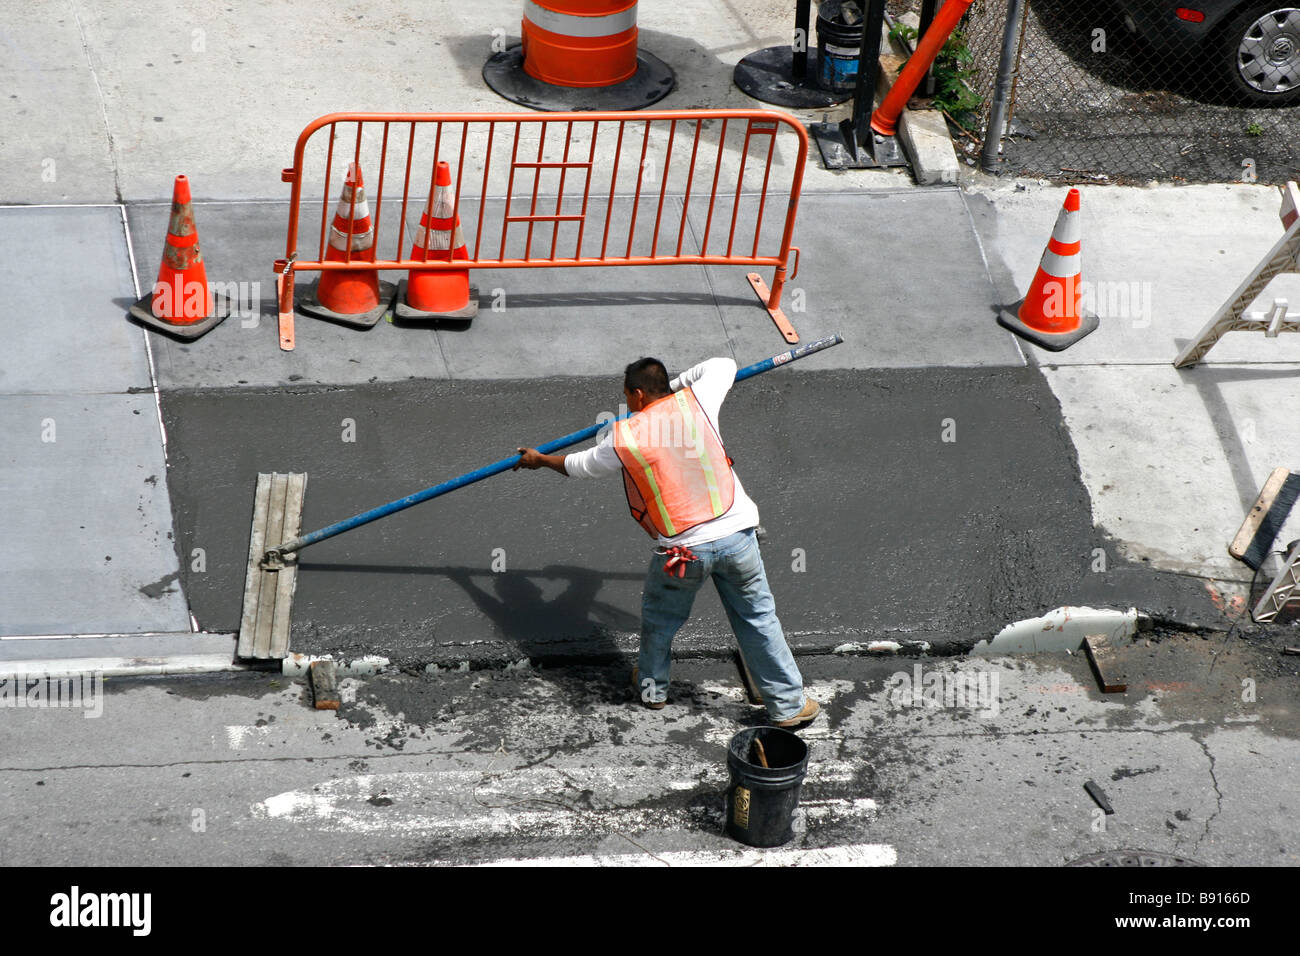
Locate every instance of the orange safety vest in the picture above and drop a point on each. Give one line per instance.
(675, 471)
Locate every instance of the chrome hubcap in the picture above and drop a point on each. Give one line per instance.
(1269, 53)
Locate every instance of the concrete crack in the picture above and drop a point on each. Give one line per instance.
(1218, 795)
(103, 107)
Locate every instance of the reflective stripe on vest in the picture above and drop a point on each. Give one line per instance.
(675, 471)
(655, 494)
(688, 420)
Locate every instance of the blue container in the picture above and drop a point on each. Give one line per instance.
(838, 45)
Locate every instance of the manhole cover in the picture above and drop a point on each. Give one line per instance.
(1133, 858)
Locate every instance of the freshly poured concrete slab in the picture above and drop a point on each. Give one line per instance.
(67, 273)
(930, 307)
(1157, 264)
(877, 527)
(88, 539)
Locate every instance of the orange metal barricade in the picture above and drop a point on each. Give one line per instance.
(543, 190)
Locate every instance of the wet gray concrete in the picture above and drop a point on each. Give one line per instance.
(903, 536)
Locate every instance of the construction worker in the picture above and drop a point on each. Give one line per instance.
(681, 489)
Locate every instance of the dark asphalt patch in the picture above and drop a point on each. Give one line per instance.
(901, 534)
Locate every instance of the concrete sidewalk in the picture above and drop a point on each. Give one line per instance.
(109, 102)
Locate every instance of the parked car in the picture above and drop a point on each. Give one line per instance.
(1251, 46)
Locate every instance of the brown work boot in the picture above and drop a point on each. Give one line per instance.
(636, 689)
(802, 719)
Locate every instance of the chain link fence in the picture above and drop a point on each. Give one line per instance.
(1127, 91)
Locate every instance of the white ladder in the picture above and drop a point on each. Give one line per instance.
(1232, 317)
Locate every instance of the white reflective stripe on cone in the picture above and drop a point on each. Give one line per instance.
(426, 238)
(1067, 228)
(360, 240)
(1060, 267)
(573, 25)
(345, 208)
(442, 206)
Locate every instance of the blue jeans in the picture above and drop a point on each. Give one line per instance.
(736, 567)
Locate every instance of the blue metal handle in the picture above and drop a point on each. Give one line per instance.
(273, 558)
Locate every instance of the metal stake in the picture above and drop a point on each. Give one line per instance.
(1002, 88)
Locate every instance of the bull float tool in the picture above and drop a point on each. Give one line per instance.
(277, 512)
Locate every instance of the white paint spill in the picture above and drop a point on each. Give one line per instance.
(858, 854)
(1059, 630)
(871, 647)
(729, 691)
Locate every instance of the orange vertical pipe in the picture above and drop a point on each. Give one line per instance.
(885, 119)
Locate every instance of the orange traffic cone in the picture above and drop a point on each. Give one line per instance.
(442, 294)
(351, 296)
(1050, 315)
(180, 302)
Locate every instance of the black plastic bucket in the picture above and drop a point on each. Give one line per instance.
(762, 800)
(838, 45)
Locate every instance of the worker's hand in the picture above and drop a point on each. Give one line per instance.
(530, 458)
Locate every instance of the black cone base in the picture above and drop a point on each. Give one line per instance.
(142, 312)
(768, 75)
(362, 320)
(1009, 319)
(652, 81)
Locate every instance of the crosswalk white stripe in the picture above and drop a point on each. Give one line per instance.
(535, 801)
(857, 854)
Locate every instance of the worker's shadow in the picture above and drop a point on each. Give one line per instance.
(572, 622)
(572, 627)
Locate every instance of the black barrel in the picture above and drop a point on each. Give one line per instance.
(838, 46)
(762, 800)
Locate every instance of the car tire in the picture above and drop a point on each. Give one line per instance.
(1259, 53)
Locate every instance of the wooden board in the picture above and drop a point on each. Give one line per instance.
(1102, 657)
(268, 595)
(1241, 544)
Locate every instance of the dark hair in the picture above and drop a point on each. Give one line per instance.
(649, 375)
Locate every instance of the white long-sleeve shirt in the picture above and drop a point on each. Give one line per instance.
(710, 380)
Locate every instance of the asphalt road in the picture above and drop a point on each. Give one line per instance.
(559, 764)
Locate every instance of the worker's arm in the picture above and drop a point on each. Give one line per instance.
(723, 369)
(711, 380)
(532, 459)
